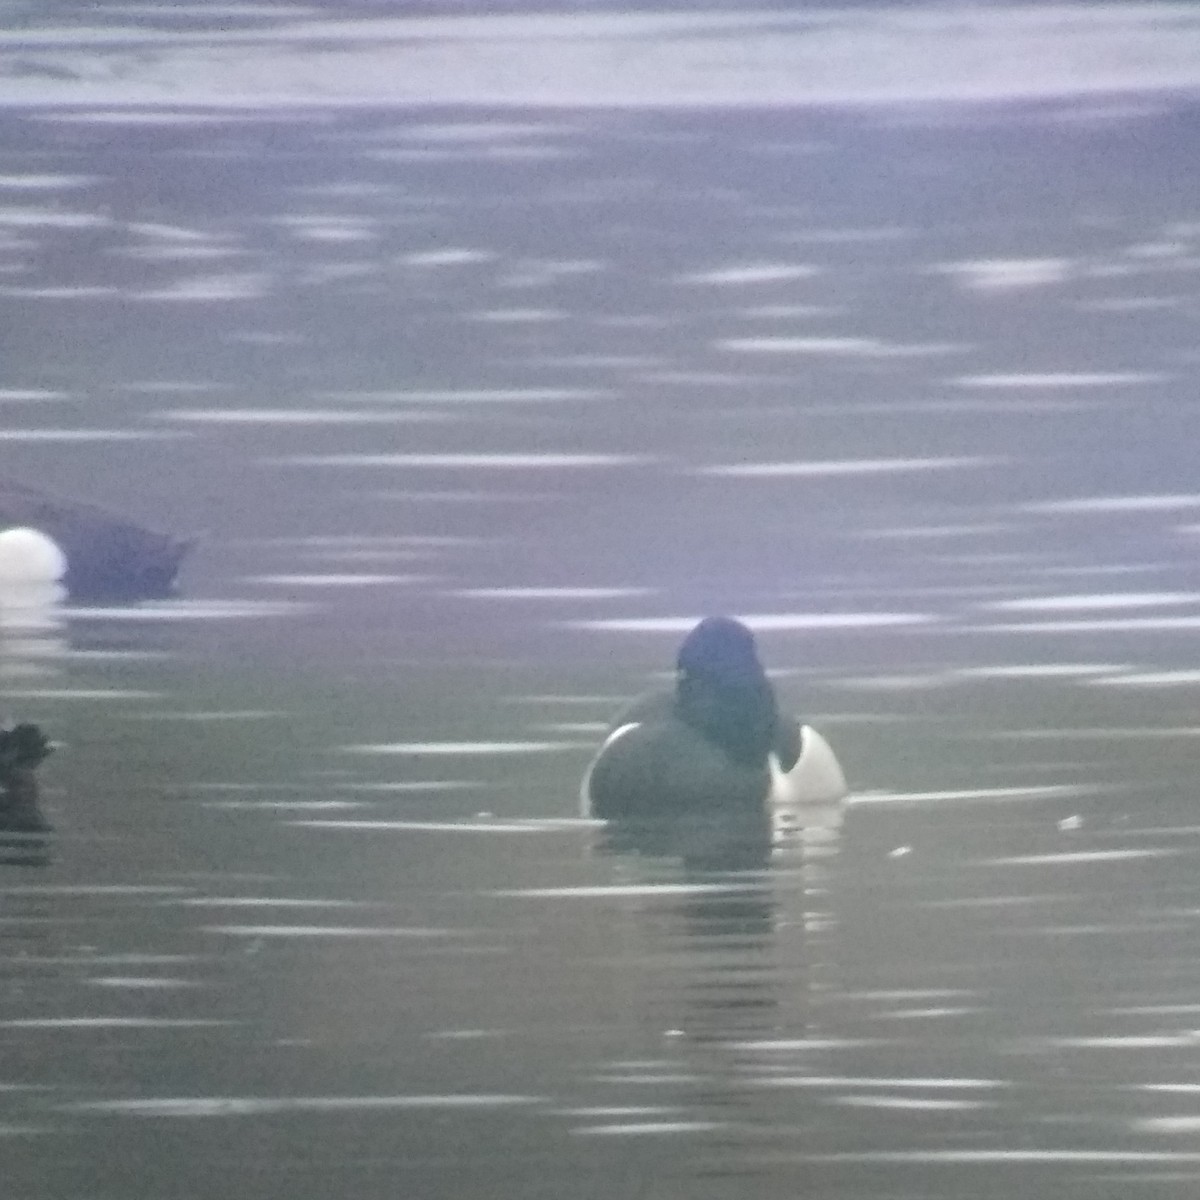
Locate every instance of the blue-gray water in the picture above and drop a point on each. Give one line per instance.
(476, 408)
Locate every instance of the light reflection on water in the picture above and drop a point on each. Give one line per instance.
(483, 411)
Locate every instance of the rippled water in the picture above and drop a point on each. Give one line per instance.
(476, 409)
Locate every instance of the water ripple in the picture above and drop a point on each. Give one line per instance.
(252, 1106)
(459, 462)
(832, 468)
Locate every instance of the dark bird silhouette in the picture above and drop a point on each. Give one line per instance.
(107, 555)
(22, 750)
(717, 742)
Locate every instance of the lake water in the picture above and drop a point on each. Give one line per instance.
(485, 357)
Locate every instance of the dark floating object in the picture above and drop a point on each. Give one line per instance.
(717, 744)
(22, 750)
(107, 556)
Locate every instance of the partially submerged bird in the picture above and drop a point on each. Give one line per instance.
(717, 743)
(22, 750)
(104, 554)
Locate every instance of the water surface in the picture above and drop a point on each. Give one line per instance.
(477, 407)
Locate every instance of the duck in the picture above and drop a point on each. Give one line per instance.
(22, 750)
(103, 555)
(717, 743)
(31, 567)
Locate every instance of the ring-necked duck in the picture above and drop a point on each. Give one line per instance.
(717, 742)
(104, 555)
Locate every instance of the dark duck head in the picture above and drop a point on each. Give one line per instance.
(722, 691)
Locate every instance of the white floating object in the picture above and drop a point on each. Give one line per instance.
(28, 556)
